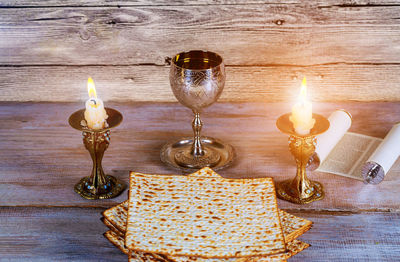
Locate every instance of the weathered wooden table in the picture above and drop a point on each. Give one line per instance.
(42, 219)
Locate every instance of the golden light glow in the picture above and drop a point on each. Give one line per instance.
(91, 88)
(303, 91)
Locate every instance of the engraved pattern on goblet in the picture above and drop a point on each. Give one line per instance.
(197, 89)
(197, 79)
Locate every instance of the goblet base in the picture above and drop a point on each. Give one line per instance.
(285, 191)
(112, 188)
(217, 155)
(185, 158)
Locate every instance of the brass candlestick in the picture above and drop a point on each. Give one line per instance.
(97, 185)
(301, 190)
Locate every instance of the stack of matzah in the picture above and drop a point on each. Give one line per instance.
(203, 217)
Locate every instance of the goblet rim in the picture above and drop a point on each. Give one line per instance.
(173, 61)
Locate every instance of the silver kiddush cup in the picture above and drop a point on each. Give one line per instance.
(197, 79)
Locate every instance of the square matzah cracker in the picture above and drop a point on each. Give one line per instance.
(293, 248)
(115, 218)
(292, 226)
(202, 216)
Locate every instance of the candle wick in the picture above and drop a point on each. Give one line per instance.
(94, 101)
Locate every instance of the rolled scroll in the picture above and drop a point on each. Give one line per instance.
(340, 122)
(383, 158)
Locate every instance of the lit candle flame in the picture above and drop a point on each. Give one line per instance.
(303, 91)
(91, 88)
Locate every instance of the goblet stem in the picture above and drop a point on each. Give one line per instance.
(197, 124)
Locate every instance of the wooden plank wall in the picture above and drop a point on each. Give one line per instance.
(348, 50)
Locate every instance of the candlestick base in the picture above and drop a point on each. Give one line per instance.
(301, 190)
(286, 191)
(98, 185)
(110, 189)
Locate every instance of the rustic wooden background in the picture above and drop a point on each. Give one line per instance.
(348, 49)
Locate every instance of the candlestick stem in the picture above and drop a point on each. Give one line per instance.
(301, 190)
(98, 185)
(96, 143)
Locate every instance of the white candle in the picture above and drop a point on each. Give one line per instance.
(95, 114)
(302, 113)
